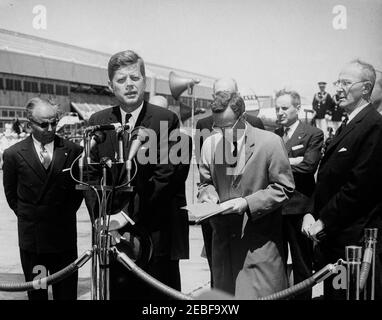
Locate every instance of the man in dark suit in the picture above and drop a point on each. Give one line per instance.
(347, 198)
(41, 192)
(203, 130)
(303, 143)
(156, 190)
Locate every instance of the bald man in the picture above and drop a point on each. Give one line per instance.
(221, 87)
(159, 101)
(41, 192)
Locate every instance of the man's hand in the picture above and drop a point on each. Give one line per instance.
(239, 205)
(307, 223)
(117, 221)
(315, 229)
(115, 237)
(208, 197)
(295, 161)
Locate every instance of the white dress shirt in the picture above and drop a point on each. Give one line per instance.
(134, 116)
(49, 147)
(292, 128)
(356, 111)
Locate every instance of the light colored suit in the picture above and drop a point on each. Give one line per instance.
(249, 264)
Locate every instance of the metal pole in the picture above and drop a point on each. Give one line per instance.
(191, 92)
(370, 242)
(353, 258)
(104, 254)
(94, 266)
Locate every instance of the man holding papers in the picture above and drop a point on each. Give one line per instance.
(247, 170)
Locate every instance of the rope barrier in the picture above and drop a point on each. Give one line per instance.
(292, 291)
(131, 266)
(51, 279)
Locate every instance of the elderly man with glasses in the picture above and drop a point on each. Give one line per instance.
(39, 189)
(347, 198)
(246, 170)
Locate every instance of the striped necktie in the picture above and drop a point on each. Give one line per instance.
(285, 135)
(343, 125)
(46, 160)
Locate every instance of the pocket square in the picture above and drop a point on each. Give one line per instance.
(297, 147)
(342, 150)
(64, 170)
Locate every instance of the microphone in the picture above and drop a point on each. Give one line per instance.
(103, 127)
(97, 138)
(138, 137)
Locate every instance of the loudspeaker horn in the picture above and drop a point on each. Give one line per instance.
(179, 84)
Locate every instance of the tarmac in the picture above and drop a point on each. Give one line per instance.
(195, 277)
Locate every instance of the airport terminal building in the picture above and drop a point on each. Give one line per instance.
(75, 78)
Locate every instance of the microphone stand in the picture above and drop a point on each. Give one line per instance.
(101, 239)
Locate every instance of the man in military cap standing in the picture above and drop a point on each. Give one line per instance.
(322, 102)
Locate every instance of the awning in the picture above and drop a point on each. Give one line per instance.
(85, 110)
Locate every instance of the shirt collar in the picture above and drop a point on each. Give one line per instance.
(38, 143)
(293, 127)
(356, 111)
(134, 115)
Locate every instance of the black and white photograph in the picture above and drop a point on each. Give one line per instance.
(172, 153)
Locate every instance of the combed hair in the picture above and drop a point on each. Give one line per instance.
(124, 59)
(367, 71)
(32, 103)
(295, 97)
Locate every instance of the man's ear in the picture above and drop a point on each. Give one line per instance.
(367, 88)
(110, 85)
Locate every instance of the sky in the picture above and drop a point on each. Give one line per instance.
(264, 44)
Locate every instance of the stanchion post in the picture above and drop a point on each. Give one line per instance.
(370, 242)
(191, 93)
(353, 258)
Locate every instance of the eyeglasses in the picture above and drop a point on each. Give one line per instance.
(341, 84)
(45, 124)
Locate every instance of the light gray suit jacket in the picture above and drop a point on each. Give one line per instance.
(264, 178)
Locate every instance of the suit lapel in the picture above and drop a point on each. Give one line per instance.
(60, 154)
(346, 130)
(30, 156)
(249, 146)
(295, 138)
(144, 118)
(115, 116)
(59, 157)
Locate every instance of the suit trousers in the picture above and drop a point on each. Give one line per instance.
(207, 238)
(301, 250)
(124, 285)
(66, 289)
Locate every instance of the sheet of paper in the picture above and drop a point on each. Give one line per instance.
(205, 210)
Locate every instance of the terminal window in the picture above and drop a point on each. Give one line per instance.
(47, 88)
(62, 90)
(30, 86)
(13, 84)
